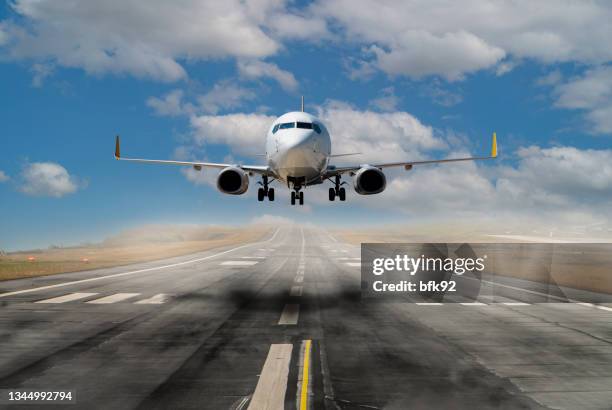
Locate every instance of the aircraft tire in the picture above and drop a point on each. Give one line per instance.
(332, 194)
(271, 194)
(342, 194)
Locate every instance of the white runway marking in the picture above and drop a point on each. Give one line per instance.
(515, 303)
(117, 275)
(238, 263)
(117, 297)
(290, 314)
(473, 304)
(296, 291)
(353, 264)
(67, 298)
(609, 309)
(253, 257)
(299, 279)
(272, 384)
(429, 304)
(155, 300)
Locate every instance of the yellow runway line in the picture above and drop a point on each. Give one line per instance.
(305, 376)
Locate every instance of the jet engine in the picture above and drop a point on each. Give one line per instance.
(369, 180)
(233, 181)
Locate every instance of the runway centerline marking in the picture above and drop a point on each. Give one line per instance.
(473, 304)
(253, 257)
(155, 300)
(290, 315)
(515, 303)
(429, 304)
(296, 291)
(299, 279)
(117, 275)
(272, 385)
(353, 264)
(238, 263)
(67, 298)
(117, 297)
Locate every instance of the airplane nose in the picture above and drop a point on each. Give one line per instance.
(299, 139)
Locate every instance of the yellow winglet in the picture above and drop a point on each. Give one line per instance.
(117, 150)
(494, 146)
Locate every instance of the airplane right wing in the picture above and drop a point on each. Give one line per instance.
(258, 169)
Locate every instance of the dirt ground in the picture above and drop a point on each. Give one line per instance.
(144, 244)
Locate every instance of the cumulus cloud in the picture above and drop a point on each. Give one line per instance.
(170, 104)
(224, 95)
(260, 69)
(387, 101)
(143, 39)
(48, 179)
(3, 177)
(592, 93)
(452, 39)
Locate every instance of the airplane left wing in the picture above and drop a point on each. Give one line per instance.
(258, 169)
(332, 170)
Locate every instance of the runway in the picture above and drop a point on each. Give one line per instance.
(279, 323)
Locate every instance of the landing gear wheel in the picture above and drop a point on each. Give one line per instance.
(271, 194)
(342, 194)
(332, 194)
(301, 198)
(261, 194)
(292, 198)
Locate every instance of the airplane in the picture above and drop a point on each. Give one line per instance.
(298, 153)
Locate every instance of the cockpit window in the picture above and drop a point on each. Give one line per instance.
(305, 125)
(275, 129)
(287, 125)
(316, 128)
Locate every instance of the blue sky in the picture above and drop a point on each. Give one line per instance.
(412, 81)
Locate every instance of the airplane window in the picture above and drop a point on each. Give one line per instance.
(287, 125)
(275, 129)
(316, 128)
(305, 125)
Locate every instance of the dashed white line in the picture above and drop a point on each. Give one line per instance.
(473, 304)
(296, 291)
(117, 275)
(67, 298)
(272, 385)
(299, 279)
(515, 303)
(290, 314)
(238, 263)
(253, 257)
(117, 297)
(429, 304)
(155, 300)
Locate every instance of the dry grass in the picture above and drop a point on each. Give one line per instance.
(140, 245)
(578, 266)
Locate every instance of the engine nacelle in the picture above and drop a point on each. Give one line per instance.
(233, 181)
(369, 180)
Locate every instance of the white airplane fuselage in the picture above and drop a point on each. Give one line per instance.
(298, 148)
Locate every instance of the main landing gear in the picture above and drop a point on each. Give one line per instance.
(337, 191)
(265, 191)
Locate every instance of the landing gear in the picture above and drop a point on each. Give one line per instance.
(297, 196)
(337, 191)
(265, 191)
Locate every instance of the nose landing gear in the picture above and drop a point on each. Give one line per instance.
(265, 191)
(297, 196)
(337, 191)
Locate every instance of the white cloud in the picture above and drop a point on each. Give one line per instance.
(224, 95)
(452, 39)
(3, 177)
(48, 179)
(40, 71)
(143, 39)
(259, 69)
(591, 92)
(387, 101)
(244, 133)
(170, 104)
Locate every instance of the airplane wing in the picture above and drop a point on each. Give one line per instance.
(258, 169)
(332, 170)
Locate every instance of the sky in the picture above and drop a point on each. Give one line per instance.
(203, 80)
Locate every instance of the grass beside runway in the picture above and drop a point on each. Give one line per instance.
(123, 251)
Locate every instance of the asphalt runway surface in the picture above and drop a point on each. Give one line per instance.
(279, 324)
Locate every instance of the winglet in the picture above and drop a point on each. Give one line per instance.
(494, 146)
(117, 149)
